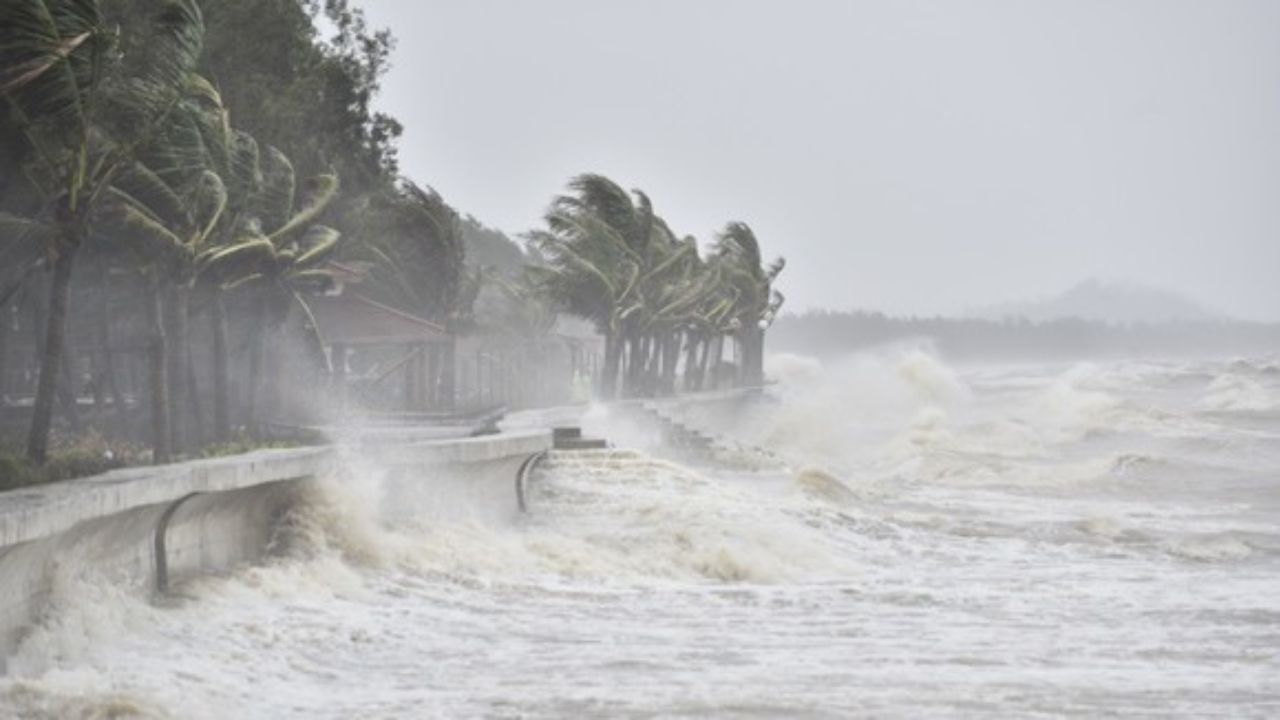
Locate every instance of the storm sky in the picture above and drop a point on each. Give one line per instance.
(908, 156)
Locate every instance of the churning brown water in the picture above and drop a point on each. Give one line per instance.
(1093, 540)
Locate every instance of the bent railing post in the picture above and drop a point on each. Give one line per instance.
(161, 551)
(522, 478)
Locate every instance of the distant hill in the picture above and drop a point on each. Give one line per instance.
(1105, 302)
(828, 334)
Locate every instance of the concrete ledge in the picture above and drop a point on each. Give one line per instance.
(33, 513)
(148, 527)
(468, 450)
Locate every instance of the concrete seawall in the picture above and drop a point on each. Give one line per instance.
(148, 528)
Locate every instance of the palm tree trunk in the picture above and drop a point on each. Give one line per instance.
(196, 438)
(39, 327)
(268, 388)
(51, 360)
(69, 389)
(671, 358)
(717, 360)
(741, 355)
(433, 375)
(449, 374)
(5, 320)
(690, 361)
(753, 357)
(653, 376)
(699, 351)
(609, 374)
(177, 358)
(108, 355)
(706, 369)
(158, 362)
(221, 370)
(635, 366)
(624, 365)
(254, 410)
(98, 381)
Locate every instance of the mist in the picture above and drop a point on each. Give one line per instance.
(589, 359)
(909, 157)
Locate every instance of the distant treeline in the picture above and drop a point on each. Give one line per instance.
(825, 333)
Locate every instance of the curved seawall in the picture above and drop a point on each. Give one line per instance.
(149, 528)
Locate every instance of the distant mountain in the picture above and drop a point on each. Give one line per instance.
(1106, 302)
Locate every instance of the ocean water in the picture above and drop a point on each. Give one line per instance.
(1087, 540)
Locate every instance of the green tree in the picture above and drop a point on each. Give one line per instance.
(416, 243)
(281, 253)
(756, 303)
(594, 251)
(81, 111)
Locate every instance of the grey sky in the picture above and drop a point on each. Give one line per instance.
(909, 156)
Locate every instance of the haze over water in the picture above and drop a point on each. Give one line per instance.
(1053, 540)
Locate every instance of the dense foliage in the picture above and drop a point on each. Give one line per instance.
(174, 169)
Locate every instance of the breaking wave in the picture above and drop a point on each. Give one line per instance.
(948, 523)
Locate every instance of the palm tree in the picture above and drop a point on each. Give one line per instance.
(415, 240)
(216, 171)
(168, 204)
(515, 310)
(708, 320)
(675, 298)
(603, 246)
(282, 253)
(80, 113)
(235, 156)
(757, 303)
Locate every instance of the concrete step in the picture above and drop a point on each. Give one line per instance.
(590, 457)
(566, 433)
(582, 444)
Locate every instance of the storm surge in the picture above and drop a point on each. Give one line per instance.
(1082, 539)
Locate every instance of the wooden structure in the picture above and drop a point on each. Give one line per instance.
(389, 359)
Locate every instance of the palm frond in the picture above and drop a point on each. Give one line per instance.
(319, 245)
(152, 240)
(224, 260)
(209, 202)
(313, 332)
(319, 191)
(273, 204)
(48, 52)
(140, 186)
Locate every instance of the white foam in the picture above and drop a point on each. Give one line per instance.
(955, 543)
(1233, 392)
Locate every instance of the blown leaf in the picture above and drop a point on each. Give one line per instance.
(319, 192)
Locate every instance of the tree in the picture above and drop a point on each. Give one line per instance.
(81, 111)
(281, 252)
(169, 204)
(756, 302)
(416, 243)
(309, 96)
(595, 252)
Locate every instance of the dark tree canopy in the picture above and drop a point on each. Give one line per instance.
(290, 86)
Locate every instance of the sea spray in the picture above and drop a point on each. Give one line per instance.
(625, 517)
(1013, 549)
(825, 487)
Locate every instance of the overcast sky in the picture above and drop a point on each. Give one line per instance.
(909, 156)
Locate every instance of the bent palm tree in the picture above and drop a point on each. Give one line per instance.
(415, 240)
(599, 251)
(756, 303)
(80, 114)
(167, 205)
(282, 253)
